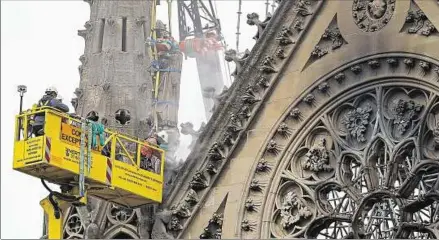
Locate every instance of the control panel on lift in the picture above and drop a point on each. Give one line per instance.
(122, 169)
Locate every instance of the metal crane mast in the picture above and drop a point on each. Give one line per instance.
(195, 19)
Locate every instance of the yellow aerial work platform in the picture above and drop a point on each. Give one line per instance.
(115, 176)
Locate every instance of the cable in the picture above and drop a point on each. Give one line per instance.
(59, 195)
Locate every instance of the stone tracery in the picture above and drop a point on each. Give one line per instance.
(373, 145)
(372, 187)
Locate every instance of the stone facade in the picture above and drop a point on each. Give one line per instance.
(331, 130)
(116, 82)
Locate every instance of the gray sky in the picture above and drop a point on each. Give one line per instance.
(40, 48)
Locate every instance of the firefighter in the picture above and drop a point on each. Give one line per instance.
(50, 100)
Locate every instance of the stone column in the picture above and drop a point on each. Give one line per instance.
(114, 71)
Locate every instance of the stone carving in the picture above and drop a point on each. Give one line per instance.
(251, 205)
(267, 65)
(374, 64)
(340, 77)
(299, 24)
(329, 42)
(214, 227)
(364, 151)
(293, 210)
(284, 36)
(273, 147)
(426, 67)
(393, 62)
(182, 210)
(80, 70)
(117, 214)
(295, 113)
(165, 224)
(192, 197)
(417, 22)
(406, 111)
(214, 153)
(249, 96)
(303, 7)
(356, 122)
(217, 219)
(263, 82)
(334, 35)
(324, 87)
(372, 15)
(175, 224)
(317, 158)
(78, 93)
(310, 98)
(245, 112)
(284, 130)
(228, 139)
(83, 59)
(198, 181)
(253, 19)
(247, 225)
(255, 185)
(234, 125)
(318, 52)
(74, 103)
(231, 55)
(356, 69)
(409, 62)
(211, 169)
(86, 32)
(263, 166)
(206, 234)
(370, 183)
(280, 53)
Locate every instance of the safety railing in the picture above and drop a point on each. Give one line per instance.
(116, 146)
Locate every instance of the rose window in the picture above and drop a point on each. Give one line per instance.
(367, 168)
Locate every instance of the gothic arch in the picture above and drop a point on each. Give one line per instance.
(386, 104)
(121, 233)
(121, 223)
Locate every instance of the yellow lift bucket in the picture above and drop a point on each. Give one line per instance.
(124, 171)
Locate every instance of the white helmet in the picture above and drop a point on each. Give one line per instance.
(163, 135)
(51, 89)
